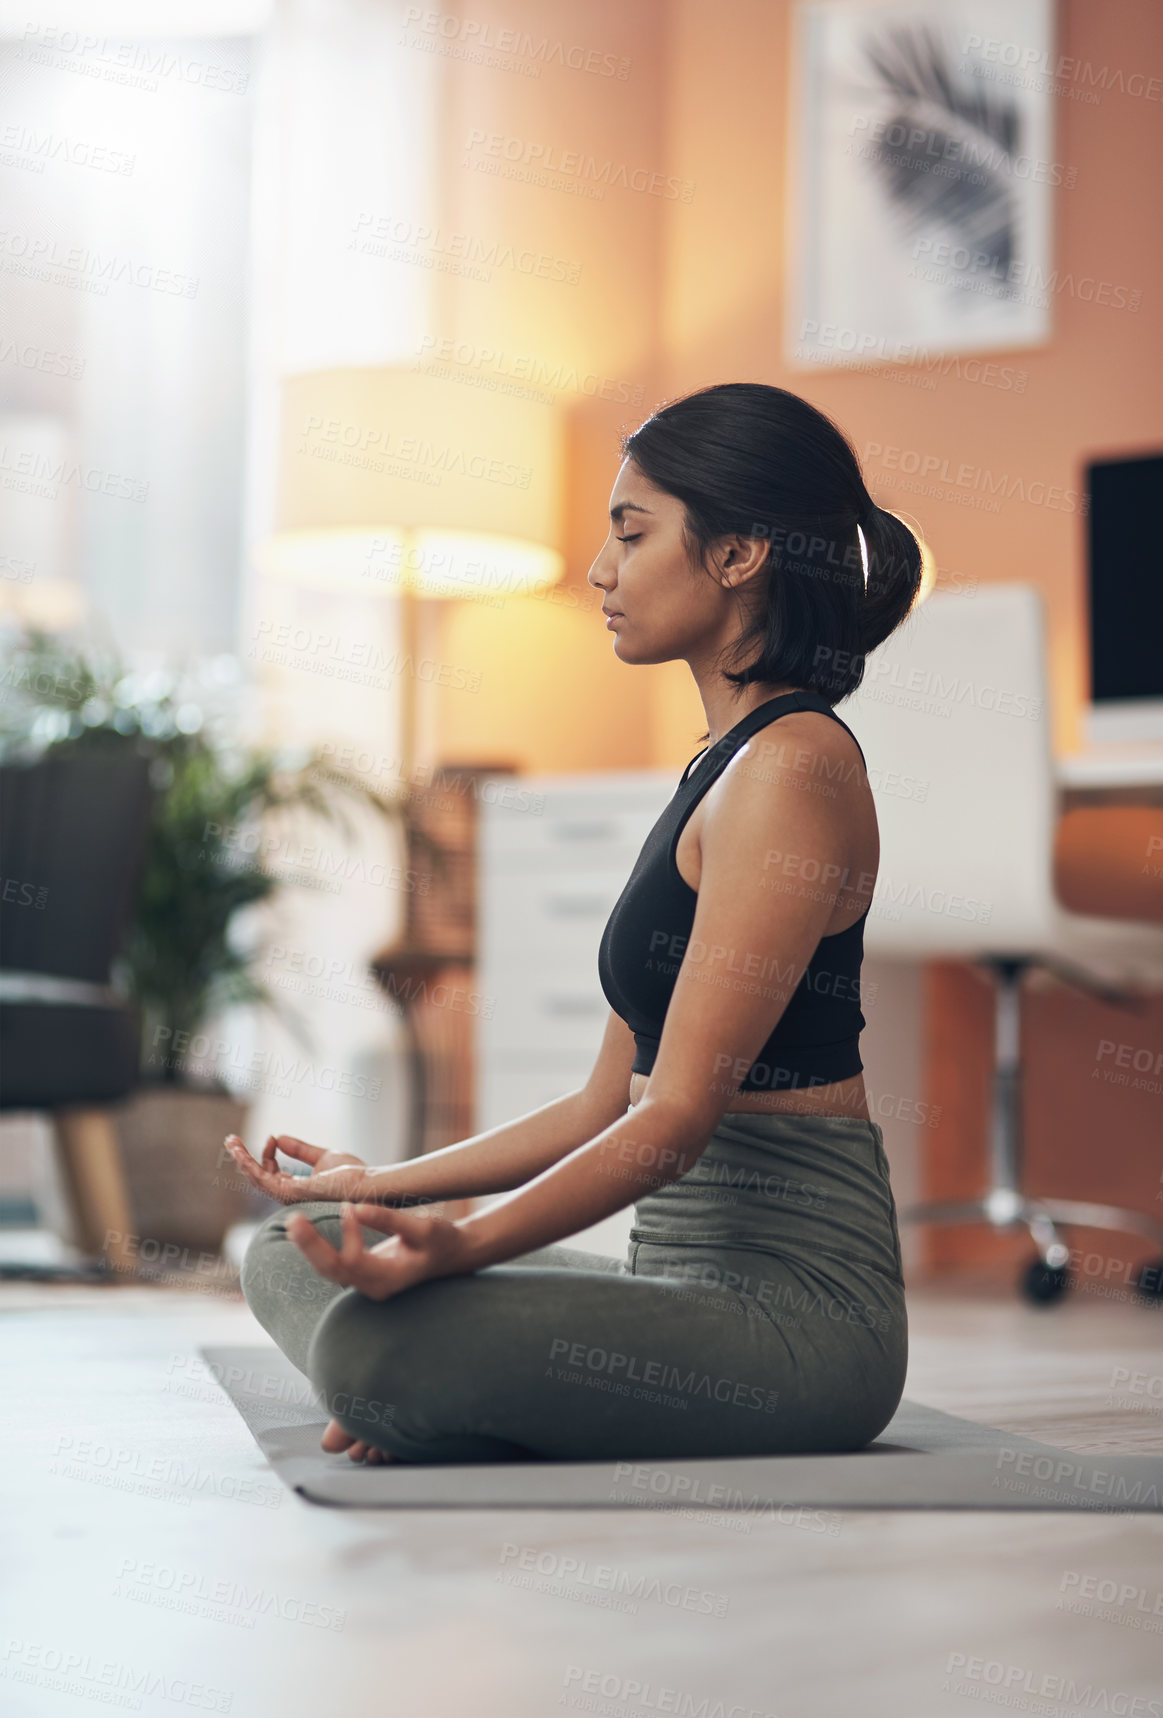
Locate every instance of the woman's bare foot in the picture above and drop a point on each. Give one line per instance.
(336, 1440)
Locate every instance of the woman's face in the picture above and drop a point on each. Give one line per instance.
(663, 607)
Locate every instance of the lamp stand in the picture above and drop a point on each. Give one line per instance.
(409, 650)
(419, 640)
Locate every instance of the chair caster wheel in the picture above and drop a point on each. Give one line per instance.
(1149, 1282)
(1043, 1283)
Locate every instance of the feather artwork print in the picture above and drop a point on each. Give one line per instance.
(920, 209)
(945, 155)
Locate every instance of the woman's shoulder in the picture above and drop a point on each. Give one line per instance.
(802, 772)
(804, 743)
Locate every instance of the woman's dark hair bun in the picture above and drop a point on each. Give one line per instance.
(752, 459)
(894, 576)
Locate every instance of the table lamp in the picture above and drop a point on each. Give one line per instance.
(407, 481)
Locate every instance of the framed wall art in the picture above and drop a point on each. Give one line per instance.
(922, 170)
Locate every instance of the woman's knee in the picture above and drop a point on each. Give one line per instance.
(390, 1371)
(269, 1234)
(376, 1367)
(271, 1260)
(359, 1362)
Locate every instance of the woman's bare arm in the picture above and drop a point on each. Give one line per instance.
(495, 1161)
(512, 1153)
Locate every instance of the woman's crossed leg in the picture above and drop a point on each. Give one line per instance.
(560, 1354)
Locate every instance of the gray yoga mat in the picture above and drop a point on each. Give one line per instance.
(924, 1459)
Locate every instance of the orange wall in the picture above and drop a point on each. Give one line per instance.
(558, 698)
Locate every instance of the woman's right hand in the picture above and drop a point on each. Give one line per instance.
(334, 1174)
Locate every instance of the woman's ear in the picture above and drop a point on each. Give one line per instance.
(740, 558)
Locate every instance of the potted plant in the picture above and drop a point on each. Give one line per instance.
(186, 956)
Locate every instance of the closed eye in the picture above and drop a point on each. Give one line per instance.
(632, 539)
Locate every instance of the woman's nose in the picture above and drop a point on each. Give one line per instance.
(598, 573)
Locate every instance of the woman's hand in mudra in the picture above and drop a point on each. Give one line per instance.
(334, 1174)
(419, 1247)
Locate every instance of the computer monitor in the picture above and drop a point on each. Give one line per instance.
(1125, 577)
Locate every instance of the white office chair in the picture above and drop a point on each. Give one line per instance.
(953, 717)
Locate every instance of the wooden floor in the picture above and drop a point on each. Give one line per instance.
(153, 1564)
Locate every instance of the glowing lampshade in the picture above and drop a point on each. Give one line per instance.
(396, 478)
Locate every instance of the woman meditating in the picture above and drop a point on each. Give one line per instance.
(760, 1309)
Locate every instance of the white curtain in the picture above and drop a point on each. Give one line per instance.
(123, 275)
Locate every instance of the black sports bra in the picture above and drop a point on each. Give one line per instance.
(816, 1039)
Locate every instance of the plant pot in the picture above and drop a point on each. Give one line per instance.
(184, 1189)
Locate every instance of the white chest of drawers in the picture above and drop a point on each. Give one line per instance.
(553, 855)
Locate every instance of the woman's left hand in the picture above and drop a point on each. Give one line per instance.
(419, 1247)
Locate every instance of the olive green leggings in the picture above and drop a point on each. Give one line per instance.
(760, 1310)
